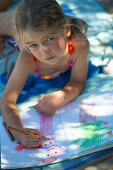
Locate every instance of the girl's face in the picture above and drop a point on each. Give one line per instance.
(46, 46)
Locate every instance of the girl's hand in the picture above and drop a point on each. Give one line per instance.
(50, 103)
(29, 141)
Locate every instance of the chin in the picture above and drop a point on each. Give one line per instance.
(53, 61)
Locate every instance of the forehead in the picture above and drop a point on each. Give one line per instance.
(30, 35)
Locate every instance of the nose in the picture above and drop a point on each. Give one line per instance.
(45, 50)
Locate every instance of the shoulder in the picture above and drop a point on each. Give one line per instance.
(80, 42)
(79, 70)
(25, 56)
(26, 60)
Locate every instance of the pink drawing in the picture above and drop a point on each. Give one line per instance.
(46, 125)
(85, 114)
(106, 123)
(46, 128)
(110, 132)
(51, 154)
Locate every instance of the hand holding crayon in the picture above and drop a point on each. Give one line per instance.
(29, 138)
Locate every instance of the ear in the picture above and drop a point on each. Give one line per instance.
(68, 28)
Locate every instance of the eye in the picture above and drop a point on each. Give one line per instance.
(51, 38)
(26, 47)
(33, 45)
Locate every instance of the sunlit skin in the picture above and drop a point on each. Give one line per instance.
(44, 47)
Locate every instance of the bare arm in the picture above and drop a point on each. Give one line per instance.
(50, 103)
(24, 66)
(78, 74)
(14, 86)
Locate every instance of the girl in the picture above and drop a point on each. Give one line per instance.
(52, 43)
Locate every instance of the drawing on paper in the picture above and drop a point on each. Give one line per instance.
(92, 135)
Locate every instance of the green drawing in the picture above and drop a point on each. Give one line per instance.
(93, 134)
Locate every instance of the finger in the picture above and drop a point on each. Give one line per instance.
(34, 131)
(33, 137)
(43, 137)
(40, 110)
(36, 106)
(33, 144)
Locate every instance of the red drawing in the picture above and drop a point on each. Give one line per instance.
(49, 160)
(106, 123)
(51, 154)
(110, 132)
(45, 144)
(20, 147)
(49, 143)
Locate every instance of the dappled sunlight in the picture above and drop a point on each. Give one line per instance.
(103, 16)
(70, 136)
(98, 106)
(84, 123)
(5, 161)
(31, 125)
(97, 86)
(25, 115)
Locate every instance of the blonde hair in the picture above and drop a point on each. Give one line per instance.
(38, 14)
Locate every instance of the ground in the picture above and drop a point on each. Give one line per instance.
(104, 162)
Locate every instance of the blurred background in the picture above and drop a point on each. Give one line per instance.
(107, 5)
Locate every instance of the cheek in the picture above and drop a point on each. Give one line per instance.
(59, 46)
(62, 43)
(36, 53)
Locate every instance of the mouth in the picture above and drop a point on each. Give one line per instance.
(49, 58)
